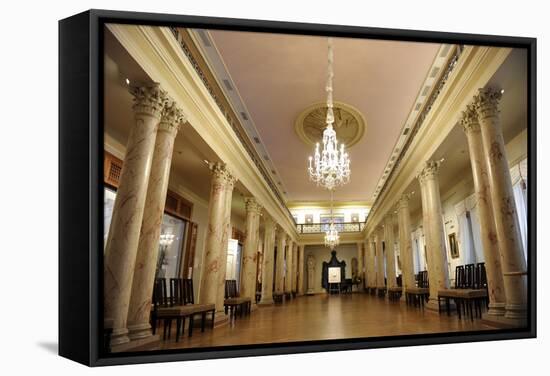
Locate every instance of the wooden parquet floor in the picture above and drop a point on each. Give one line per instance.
(326, 317)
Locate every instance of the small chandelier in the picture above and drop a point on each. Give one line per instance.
(329, 168)
(332, 239)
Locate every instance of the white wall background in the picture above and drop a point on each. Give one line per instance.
(28, 151)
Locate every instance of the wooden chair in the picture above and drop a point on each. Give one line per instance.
(258, 291)
(165, 309)
(181, 289)
(233, 304)
(470, 291)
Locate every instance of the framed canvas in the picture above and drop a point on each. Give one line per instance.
(180, 135)
(453, 244)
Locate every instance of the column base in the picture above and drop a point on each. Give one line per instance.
(221, 319)
(432, 305)
(310, 292)
(139, 331)
(266, 302)
(516, 312)
(148, 343)
(119, 337)
(503, 322)
(496, 309)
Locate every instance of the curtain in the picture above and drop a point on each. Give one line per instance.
(476, 234)
(519, 183)
(465, 239)
(418, 251)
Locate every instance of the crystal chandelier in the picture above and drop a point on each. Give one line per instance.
(329, 168)
(332, 239)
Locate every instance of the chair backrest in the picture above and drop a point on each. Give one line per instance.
(175, 291)
(187, 291)
(459, 277)
(160, 296)
(230, 288)
(423, 279)
(480, 276)
(469, 275)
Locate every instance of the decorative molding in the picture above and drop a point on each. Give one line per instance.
(230, 116)
(469, 120)
(437, 89)
(430, 170)
(149, 100)
(221, 172)
(172, 118)
(252, 205)
(487, 101)
(474, 68)
(309, 125)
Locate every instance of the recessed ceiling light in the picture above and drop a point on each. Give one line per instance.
(501, 91)
(127, 82)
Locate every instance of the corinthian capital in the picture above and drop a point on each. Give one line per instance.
(221, 173)
(403, 201)
(469, 120)
(430, 170)
(486, 102)
(172, 118)
(149, 100)
(252, 205)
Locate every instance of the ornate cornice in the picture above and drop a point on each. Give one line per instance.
(172, 118)
(430, 170)
(231, 118)
(252, 205)
(487, 101)
(221, 173)
(469, 120)
(437, 88)
(149, 99)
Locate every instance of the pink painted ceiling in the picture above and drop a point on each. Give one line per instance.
(278, 76)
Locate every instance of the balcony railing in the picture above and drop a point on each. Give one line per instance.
(321, 228)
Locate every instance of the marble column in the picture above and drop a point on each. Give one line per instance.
(390, 251)
(301, 270)
(310, 274)
(438, 274)
(288, 265)
(268, 259)
(148, 246)
(122, 242)
(405, 242)
(371, 264)
(380, 271)
(360, 267)
(250, 249)
(294, 267)
(489, 241)
(213, 274)
(225, 240)
(514, 267)
(280, 263)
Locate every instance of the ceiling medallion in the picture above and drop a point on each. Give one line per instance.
(349, 123)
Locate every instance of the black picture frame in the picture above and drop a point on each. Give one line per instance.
(80, 186)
